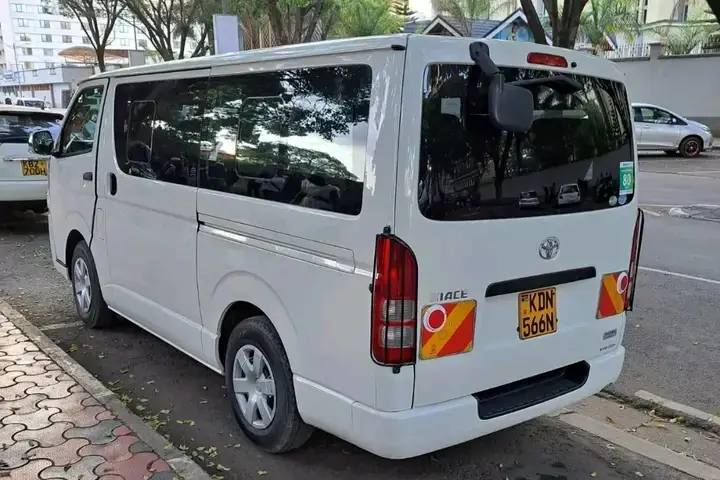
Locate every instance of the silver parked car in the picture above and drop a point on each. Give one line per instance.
(658, 128)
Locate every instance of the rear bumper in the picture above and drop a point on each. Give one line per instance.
(23, 190)
(426, 429)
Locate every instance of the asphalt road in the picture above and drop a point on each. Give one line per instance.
(672, 340)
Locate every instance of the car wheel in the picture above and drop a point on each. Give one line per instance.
(690, 147)
(672, 153)
(89, 302)
(260, 385)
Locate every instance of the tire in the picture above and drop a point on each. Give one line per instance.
(97, 314)
(284, 430)
(691, 147)
(672, 153)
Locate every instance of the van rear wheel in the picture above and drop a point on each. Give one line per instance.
(260, 387)
(89, 302)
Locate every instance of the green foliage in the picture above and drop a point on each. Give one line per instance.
(683, 39)
(363, 18)
(602, 18)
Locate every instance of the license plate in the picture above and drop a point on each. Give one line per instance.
(34, 168)
(537, 313)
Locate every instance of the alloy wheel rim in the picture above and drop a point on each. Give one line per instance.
(254, 386)
(81, 280)
(692, 147)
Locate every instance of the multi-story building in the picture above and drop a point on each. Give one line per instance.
(34, 33)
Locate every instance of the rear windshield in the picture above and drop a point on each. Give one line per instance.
(576, 157)
(16, 127)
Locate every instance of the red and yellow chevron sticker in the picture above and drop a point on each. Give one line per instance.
(447, 329)
(613, 289)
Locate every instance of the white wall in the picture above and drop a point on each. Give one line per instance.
(687, 85)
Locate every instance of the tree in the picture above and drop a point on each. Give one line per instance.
(564, 22)
(402, 10)
(97, 19)
(714, 9)
(609, 17)
(165, 21)
(364, 18)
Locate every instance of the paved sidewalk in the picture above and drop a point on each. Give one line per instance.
(51, 427)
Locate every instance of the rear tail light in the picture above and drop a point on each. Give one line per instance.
(547, 59)
(394, 302)
(634, 259)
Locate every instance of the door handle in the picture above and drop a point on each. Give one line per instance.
(113, 183)
(88, 176)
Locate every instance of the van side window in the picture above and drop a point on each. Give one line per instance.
(157, 129)
(293, 136)
(78, 134)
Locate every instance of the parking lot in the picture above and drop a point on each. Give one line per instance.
(672, 341)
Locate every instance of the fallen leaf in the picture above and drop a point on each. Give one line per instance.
(638, 474)
(150, 382)
(610, 447)
(261, 472)
(139, 408)
(217, 477)
(101, 356)
(73, 348)
(609, 419)
(165, 411)
(222, 468)
(114, 383)
(687, 439)
(168, 446)
(593, 474)
(237, 445)
(660, 425)
(203, 402)
(182, 447)
(124, 370)
(637, 325)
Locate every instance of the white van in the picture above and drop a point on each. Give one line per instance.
(335, 227)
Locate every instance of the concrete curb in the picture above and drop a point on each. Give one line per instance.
(691, 415)
(181, 464)
(642, 447)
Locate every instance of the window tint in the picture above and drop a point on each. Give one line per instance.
(78, 135)
(654, 115)
(157, 129)
(295, 136)
(579, 142)
(16, 127)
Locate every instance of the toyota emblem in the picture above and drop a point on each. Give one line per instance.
(549, 248)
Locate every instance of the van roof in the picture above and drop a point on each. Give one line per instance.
(339, 47)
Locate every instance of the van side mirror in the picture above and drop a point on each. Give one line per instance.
(41, 143)
(509, 107)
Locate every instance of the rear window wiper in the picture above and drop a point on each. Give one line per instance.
(560, 83)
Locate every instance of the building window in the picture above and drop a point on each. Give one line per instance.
(65, 25)
(48, 52)
(124, 42)
(46, 9)
(29, 65)
(644, 19)
(21, 22)
(24, 37)
(27, 51)
(123, 28)
(46, 38)
(44, 23)
(142, 43)
(18, 7)
(86, 40)
(67, 39)
(51, 66)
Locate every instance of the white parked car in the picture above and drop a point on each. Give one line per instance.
(657, 128)
(569, 194)
(23, 175)
(337, 299)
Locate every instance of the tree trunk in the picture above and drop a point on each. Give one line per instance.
(100, 54)
(715, 8)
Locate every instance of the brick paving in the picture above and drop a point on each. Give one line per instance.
(51, 428)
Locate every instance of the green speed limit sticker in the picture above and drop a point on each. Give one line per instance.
(627, 178)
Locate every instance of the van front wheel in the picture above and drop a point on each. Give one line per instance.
(89, 302)
(260, 386)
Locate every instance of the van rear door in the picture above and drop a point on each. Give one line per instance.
(510, 274)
